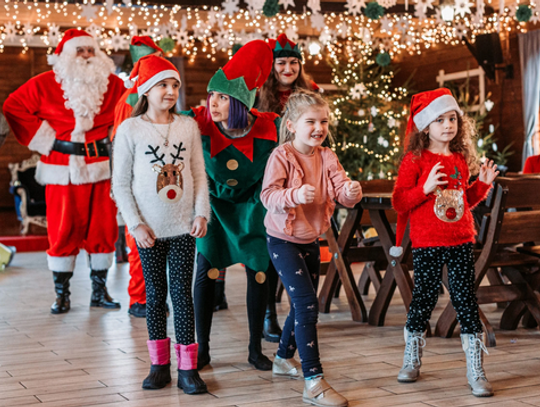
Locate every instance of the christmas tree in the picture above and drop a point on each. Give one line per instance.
(368, 113)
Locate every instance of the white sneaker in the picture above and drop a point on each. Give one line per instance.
(287, 368)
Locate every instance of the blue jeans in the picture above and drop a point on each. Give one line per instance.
(298, 266)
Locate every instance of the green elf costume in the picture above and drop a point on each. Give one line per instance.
(235, 168)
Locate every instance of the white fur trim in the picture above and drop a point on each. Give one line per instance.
(82, 125)
(101, 261)
(43, 140)
(396, 251)
(52, 59)
(70, 46)
(443, 104)
(145, 87)
(129, 83)
(78, 172)
(61, 264)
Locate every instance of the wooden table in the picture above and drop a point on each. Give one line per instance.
(344, 254)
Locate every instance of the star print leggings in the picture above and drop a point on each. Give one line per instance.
(298, 266)
(179, 253)
(428, 265)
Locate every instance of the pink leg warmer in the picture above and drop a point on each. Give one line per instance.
(187, 356)
(160, 351)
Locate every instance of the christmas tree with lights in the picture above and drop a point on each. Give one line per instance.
(368, 112)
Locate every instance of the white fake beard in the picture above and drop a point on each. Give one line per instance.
(84, 83)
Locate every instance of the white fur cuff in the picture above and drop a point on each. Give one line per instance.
(396, 251)
(43, 140)
(101, 261)
(61, 264)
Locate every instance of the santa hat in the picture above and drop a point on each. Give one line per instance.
(150, 70)
(142, 46)
(246, 72)
(283, 47)
(425, 108)
(71, 40)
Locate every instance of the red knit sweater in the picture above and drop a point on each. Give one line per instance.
(426, 230)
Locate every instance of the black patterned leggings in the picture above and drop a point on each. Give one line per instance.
(428, 265)
(179, 252)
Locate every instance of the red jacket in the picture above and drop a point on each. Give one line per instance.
(532, 165)
(426, 230)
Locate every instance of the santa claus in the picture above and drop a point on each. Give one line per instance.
(66, 115)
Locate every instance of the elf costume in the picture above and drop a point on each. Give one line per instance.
(74, 165)
(235, 168)
(442, 233)
(139, 47)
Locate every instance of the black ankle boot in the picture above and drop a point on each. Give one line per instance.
(271, 329)
(100, 296)
(203, 355)
(256, 357)
(220, 300)
(62, 303)
(158, 378)
(191, 382)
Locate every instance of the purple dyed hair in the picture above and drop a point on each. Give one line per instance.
(238, 113)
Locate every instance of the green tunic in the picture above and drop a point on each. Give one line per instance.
(235, 168)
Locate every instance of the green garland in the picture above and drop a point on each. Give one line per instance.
(374, 10)
(383, 59)
(270, 8)
(523, 13)
(167, 44)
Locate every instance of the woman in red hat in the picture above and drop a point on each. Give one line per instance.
(433, 191)
(159, 185)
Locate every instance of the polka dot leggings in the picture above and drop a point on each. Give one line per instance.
(179, 252)
(428, 265)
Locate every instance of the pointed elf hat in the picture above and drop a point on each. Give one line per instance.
(150, 70)
(247, 71)
(425, 108)
(141, 46)
(283, 47)
(71, 40)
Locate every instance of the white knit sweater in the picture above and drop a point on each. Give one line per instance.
(134, 181)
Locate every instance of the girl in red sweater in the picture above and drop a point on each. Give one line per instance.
(433, 191)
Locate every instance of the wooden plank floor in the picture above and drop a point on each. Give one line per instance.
(92, 357)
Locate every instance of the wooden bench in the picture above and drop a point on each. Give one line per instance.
(509, 240)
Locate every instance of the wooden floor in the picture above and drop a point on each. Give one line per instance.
(92, 357)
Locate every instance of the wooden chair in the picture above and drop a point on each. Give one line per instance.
(509, 241)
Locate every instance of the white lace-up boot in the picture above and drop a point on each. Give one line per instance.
(412, 358)
(474, 348)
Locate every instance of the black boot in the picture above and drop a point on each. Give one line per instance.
(220, 300)
(100, 296)
(191, 382)
(158, 378)
(271, 330)
(61, 287)
(256, 357)
(203, 355)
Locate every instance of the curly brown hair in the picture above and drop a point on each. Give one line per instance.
(269, 100)
(462, 143)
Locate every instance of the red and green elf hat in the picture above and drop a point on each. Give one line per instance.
(284, 47)
(246, 72)
(141, 46)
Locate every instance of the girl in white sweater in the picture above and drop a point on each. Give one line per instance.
(160, 187)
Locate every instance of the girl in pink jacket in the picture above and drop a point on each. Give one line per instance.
(301, 182)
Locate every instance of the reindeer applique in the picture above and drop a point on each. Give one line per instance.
(449, 205)
(169, 182)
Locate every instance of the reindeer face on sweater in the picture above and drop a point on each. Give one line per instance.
(449, 204)
(169, 183)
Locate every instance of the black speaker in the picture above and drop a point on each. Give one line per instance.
(488, 49)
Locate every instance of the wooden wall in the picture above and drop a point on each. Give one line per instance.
(17, 68)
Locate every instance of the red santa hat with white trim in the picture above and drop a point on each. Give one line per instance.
(425, 108)
(150, 70)
(72, 39)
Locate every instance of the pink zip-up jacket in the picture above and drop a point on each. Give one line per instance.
(286, 171)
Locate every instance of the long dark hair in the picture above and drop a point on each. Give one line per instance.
(238, 113)
(269, 100)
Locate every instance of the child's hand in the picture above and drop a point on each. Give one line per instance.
(306, 194)
(434, 179)
(199, 227)
(144, 236)
(352, 189)
(488, 172)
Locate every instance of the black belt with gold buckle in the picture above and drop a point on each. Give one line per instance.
(98, 148)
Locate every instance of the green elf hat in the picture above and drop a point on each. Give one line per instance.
(283, 47)
(142, 46)
(246, 72)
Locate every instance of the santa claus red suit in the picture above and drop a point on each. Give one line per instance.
(66, 115)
